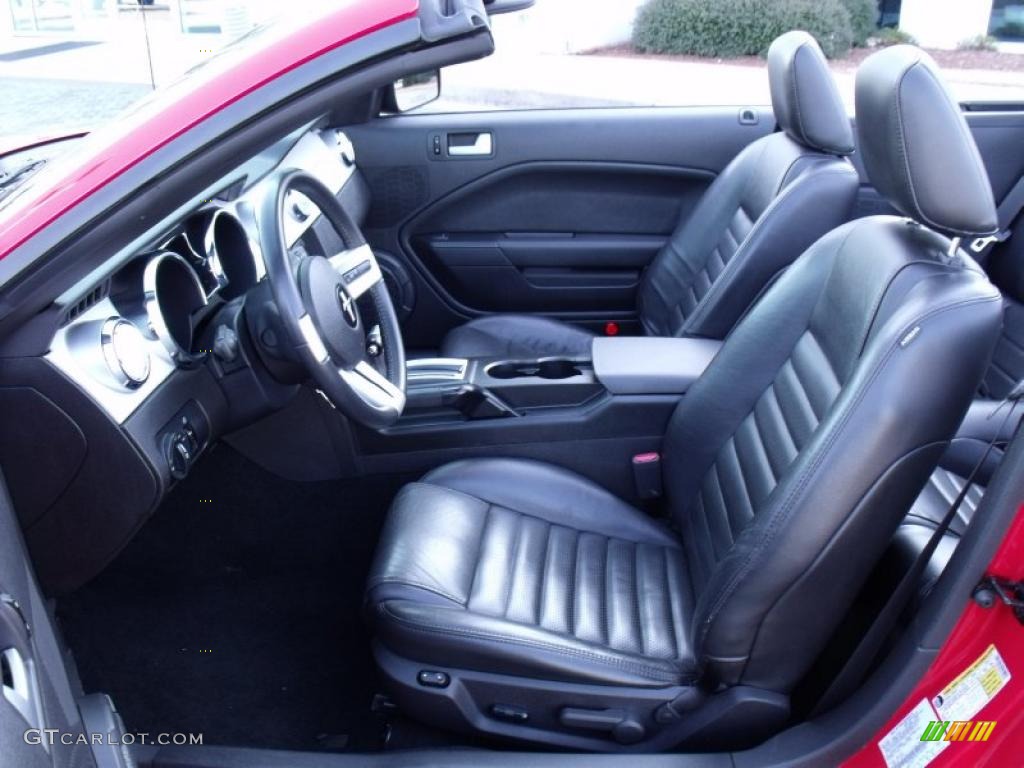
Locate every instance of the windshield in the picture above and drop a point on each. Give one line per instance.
(71, 66)
(142, 56)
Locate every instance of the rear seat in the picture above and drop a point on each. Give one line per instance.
(977, 430)
(943, 487)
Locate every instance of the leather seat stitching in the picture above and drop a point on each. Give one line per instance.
(743, 252)
(650, 672)
(413, 583)
(670, 544)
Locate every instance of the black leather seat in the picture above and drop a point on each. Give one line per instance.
(519, 599)
(751, 223)
(945, 484)
(973, 436)
(547, 558)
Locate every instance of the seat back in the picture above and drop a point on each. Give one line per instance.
(753, 221)
(792, 460)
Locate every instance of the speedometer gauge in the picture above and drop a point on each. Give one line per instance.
(125, 352)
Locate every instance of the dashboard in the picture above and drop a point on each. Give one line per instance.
(152, 359)
(131, 330)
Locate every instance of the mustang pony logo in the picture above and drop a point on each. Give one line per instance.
(958, 730)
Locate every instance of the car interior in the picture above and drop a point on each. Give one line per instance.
(586, 430)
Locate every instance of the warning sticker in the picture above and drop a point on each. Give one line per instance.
(902, 746)
(966, 696)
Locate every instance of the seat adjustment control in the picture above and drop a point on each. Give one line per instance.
(431, 678)
(509, 713)
(622, 727)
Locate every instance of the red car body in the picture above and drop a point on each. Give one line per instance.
(71, 179)
(977, 629)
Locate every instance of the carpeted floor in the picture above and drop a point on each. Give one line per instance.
(236, 612)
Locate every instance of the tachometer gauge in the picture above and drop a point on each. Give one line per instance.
(125, 352)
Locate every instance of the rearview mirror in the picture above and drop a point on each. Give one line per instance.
(412, 92)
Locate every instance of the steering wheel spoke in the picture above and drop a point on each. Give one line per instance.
(316, 300)
(358, 269)
(373, 388)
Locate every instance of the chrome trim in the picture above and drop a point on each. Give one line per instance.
(151, 301)
(210, 244)
(436, 368)
(114, 362)
(75, 352)
(312, 338)
(483, 146)
(373, 388)
(246, 214)
(362, 257)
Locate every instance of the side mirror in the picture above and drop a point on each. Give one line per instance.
(412, 92)
(494, 7)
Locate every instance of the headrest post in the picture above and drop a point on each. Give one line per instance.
(954, 247)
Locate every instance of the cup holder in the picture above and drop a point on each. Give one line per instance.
(541, 369)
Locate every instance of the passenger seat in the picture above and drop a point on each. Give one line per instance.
(780, 195)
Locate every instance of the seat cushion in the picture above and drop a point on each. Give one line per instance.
(522, 568)
(516, 336)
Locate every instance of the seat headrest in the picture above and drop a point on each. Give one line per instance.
(916, 146)
(805, 99)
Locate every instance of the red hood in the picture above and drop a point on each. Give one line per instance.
(172, 110)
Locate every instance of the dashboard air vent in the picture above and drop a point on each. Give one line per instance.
(87, 302)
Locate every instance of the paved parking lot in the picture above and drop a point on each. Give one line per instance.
(47, 89)
(34, 106)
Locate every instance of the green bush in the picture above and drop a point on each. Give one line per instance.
(864, 16)
(887, 36)
(729, 28)
(979, 43)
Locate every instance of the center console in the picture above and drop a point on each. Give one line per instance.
(482, 389)
(493, 389)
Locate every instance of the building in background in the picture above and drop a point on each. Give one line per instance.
(948, 23)
(552, 26)
(104, 19)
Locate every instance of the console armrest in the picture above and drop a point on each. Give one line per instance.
(640, 365)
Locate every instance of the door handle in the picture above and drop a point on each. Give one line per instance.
(19, 685)
(471, 144)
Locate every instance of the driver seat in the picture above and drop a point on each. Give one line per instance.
(518, 599)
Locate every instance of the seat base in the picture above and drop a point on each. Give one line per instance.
(512, 336)
(532, 711)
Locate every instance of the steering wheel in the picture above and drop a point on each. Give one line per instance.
(359, 369)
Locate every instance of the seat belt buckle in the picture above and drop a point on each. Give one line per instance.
(981, 244)
(647, 475)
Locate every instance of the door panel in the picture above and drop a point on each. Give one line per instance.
(555, 212)
(35, 689)
(552, 237)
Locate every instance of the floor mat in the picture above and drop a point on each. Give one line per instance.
(235, 612)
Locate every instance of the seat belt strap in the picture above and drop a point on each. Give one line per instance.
(864, 654)
(1006, 214)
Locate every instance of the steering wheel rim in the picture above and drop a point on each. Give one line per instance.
(317, 304)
